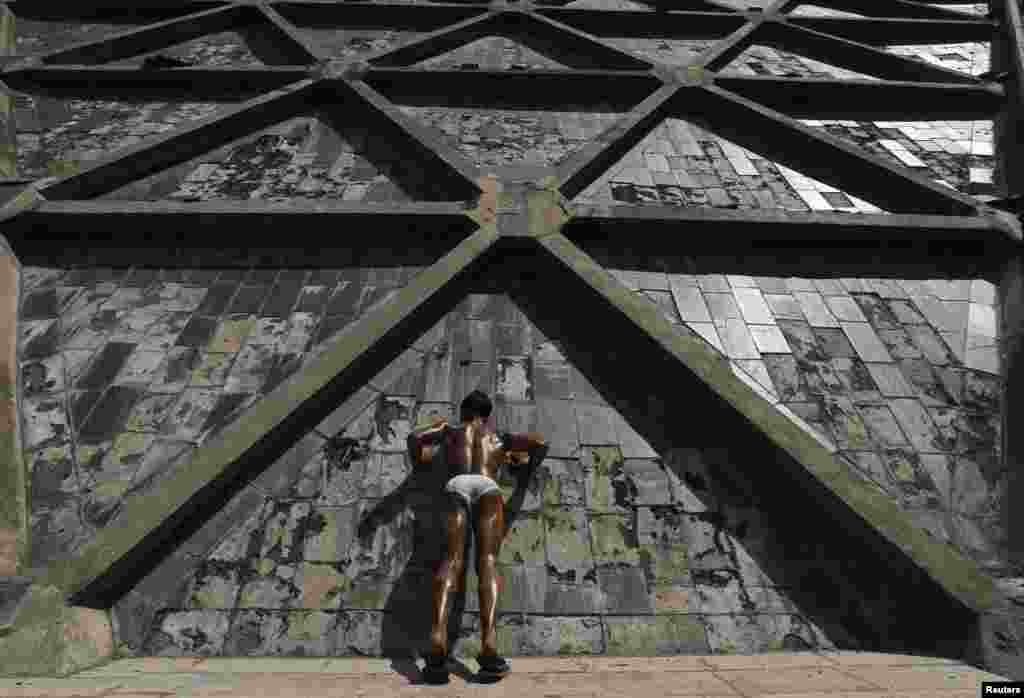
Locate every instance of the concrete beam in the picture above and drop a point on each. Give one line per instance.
(204, 234)
(721, 241)
(893, 8)
(881, 32)
(14, 513)
(624, 23)
(597, 90)
(866, 100)
(1008, 56)
(328, 14)
(818, 154)
(133, 84)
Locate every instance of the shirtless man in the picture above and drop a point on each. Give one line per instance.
(474, 454)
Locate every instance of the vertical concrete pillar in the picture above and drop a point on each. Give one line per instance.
(1011, 327)
(1007, 54)
(13, 478)
(8, 127)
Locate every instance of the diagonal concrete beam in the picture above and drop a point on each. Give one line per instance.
(108, 567)
(868, 100)
(876, 31)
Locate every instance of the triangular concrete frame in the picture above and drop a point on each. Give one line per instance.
(545, 263)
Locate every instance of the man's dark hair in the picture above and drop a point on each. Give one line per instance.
(476, 404)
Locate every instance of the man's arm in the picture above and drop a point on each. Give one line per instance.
(421, 440)
(534, 444)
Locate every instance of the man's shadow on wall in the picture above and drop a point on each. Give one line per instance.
(406, 623)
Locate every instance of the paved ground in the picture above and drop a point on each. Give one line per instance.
(836, 675)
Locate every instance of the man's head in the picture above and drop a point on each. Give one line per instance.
(476, 404)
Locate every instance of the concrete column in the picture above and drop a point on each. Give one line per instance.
(8, 129)
(14, 531)
(1008, 57)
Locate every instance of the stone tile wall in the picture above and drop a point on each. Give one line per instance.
(125, 372)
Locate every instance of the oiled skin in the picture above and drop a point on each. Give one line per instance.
(471, 449)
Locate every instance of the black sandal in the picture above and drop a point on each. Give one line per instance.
(435, 670)
(492, 668)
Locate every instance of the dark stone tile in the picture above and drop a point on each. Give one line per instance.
(834, 342)
(856, 380)
(140, 278)
(262, 276)
(201, 277)
(174, 276)
(802, 340)
(573, 599)
(282, 299)
(233, 275)
(899, 343)
(906, 313)
(284, 366)
(248, 300)
(110, 414)
(648, 482)
(556, 420)
(625, 590)
(43, 345)
(551, 380)
(468, 376)
(105, 366)
(331, 325)
(982, 391)
(313, 299)
(326, 277)
(229, 407)
(876, 311)
(373, 295)
(293, 275)
(82, 403)
(40, 305)
(78, 277)
(345, 299)
(786, 377)
(511, 340)
(216, 301)
(952, 380)
(921, 375)
(932, 345)
(197, 332)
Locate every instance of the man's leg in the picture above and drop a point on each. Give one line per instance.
(448, 574)
(490, 531)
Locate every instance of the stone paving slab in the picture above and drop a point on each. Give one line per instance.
(804, 674)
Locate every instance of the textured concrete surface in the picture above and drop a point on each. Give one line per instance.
(778, 674)
(614, 548)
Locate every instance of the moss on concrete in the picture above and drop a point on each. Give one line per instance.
(147, 509)
(960, 577)
(51, 639)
